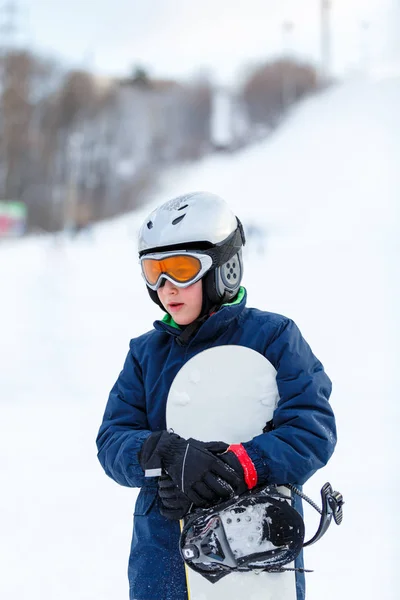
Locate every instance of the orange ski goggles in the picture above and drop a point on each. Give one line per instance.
(181, 268)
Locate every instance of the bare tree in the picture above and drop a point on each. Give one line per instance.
(271, 88)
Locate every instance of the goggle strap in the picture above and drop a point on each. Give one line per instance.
(241, 231)
(221, 254)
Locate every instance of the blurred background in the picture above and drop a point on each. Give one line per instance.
(288, 110)
(95, 104)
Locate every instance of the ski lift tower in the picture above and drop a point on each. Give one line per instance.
(326, 39)
(288, 84)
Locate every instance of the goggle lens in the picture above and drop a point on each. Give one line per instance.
(181, 268)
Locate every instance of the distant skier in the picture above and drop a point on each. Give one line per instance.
(190, 250)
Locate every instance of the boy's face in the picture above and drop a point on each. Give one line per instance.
(183, 304)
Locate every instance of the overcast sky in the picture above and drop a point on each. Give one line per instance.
(181, 37)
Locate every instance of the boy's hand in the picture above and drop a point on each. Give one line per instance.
(231, 459)
(174, 504)
(201, 475)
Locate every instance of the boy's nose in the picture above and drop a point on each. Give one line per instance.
(169, 286)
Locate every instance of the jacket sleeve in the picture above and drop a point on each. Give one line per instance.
(304, 434)
(124, 426)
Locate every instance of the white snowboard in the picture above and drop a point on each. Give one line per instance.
(228, 393)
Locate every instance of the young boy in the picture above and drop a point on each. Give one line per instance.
(190, 250)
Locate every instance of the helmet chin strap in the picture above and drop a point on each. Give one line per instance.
(193, 327)
(190, 330)
(208, 305)
(207, 308)
(154, 296)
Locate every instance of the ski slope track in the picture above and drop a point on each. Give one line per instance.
(320, 198)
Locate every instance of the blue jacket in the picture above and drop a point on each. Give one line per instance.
(302, 441)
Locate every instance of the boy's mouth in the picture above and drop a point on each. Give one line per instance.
(175, 305)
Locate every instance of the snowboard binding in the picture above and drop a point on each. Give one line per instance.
(258, 531)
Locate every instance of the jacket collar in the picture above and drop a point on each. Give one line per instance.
(213, 325)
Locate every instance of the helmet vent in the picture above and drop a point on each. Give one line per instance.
(178, 219)
(182, 207)
(150, 225)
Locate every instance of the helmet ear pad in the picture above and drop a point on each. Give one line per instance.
(223, 283)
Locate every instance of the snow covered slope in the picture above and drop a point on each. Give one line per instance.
(320, 197)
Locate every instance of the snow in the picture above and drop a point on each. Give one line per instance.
(246, 538)
(324, 189)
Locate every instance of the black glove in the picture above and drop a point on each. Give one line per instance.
(201, 475)
(174, 504)
(232, 460)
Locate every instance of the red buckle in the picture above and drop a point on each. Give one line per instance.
(250, 473)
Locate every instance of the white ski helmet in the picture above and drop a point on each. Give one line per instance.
(200, 223)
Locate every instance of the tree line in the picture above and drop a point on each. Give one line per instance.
(76, 148)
